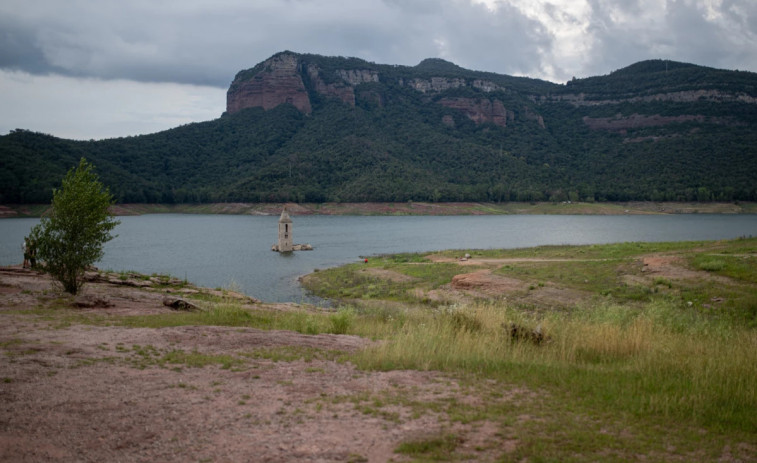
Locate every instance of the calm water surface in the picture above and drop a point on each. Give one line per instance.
(224, 250)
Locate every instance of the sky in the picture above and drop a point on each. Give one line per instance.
(93, 69)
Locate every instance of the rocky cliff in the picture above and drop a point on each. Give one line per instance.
(485, 98)
(345, 129)
(293, 78)
(480, 110)
(278, 81)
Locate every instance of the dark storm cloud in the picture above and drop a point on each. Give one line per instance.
(719, 36)
(103, 68)
(208, 42)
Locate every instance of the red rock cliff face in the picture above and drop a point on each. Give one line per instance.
(480, 110)
(338, 90)
(279, 82)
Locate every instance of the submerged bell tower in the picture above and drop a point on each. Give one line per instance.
(285, 243)
(285, 232)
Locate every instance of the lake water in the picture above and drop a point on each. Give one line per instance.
(224, 250)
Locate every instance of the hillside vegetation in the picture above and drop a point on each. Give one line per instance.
(656, 130)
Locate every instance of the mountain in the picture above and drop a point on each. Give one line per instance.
(310, 128)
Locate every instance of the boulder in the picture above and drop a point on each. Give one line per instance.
(87, 301)
(178, 303)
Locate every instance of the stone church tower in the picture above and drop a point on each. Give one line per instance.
(285, 232)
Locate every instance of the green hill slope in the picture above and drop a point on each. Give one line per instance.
(655, 130)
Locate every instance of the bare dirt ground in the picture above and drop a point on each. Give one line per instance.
(82, 392)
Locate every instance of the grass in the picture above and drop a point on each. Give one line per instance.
(738, 267)
(435, 448)
(638, 367)
(662, 349)
(354, 281)
(641, 350)
(655, 368)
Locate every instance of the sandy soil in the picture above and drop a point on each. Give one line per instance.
(80, 392)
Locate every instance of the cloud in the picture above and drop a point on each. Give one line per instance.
(713, 33)
(78, 108)
(206, 43)
(129, 46)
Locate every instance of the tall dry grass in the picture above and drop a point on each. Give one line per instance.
(658, 359)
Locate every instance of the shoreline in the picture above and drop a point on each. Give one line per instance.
(412, 208)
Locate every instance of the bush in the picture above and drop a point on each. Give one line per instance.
(712, 265)
(341, 321)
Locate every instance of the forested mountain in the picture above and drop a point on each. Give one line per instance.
(309, 128)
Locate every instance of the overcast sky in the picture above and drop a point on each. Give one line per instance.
(87, 69)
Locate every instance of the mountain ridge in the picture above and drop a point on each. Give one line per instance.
(310, 128)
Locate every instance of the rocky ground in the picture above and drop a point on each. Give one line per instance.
(73, 391)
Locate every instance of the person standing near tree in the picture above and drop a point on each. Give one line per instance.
(25, 247)
(32, 254)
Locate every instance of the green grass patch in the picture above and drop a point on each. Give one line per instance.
(355, 281)
(737, 267)
(434, 448)
(589, 275)
(593, 251)
(343, 321)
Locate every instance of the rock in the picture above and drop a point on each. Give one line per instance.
(636, 121)
(481, 110)
(435, 84)
(295, 247)
(521, 333)
(177, 303)
(277, 82)
(136, 283)
(91, 302)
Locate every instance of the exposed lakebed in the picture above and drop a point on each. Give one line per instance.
(224, 250)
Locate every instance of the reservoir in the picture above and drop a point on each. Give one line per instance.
(235, 250)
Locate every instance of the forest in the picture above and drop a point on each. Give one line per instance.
(654, 131)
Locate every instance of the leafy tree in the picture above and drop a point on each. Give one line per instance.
(72, 235)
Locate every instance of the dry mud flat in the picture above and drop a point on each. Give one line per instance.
(82, 392)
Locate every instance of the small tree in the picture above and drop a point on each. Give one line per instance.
(71, 237)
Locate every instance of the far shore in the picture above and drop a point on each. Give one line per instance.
(412, 208)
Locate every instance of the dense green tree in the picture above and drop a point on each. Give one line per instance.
(71, 237)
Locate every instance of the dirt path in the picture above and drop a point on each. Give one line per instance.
(496, 262)
(73, 392)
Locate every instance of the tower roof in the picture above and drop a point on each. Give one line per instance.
(284, 217)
